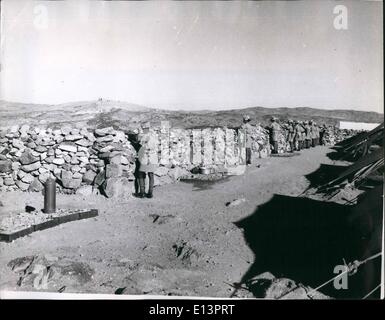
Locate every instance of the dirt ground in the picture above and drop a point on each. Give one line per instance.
(184, 241)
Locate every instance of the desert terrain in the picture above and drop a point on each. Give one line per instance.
(188, 240)
(124, 116)
(254, 235)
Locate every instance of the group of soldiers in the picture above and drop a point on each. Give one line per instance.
(299, 134)
(303, 134)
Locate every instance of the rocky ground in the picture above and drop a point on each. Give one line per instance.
(184, 241)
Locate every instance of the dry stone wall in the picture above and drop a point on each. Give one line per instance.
(80, 159)
(90, 161)
(102, 160)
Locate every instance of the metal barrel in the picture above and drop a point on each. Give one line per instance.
(50, 196)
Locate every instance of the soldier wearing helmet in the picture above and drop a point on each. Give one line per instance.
(148, 159)
(291, 134)
(298, 139)
(313, 133)
(133, 137)
(307, 134)
(248, 129)
(274, 129)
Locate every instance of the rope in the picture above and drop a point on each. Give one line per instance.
(327, 282)
(379, 286)
(351, 268)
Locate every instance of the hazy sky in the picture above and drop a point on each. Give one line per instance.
(193, 55)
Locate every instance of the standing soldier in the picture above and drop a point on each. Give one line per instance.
(307, 134)
(298, 138)
(303, 124)
(248, 128)
(313, 133)
(316, 129)
(148, 159)
(291, 134)
(134, 139)
(274, 133)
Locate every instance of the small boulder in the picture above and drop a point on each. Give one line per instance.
(31, 167)
(28, 178)
(77, 175)
(68, 147)
(235, 202)
(89, 177)
(5, 166)
(177, 172)
(117, 187)
(75, 168)
(83, 143)
(161, 171)
(31, 145)
(75, 161)
(113, 170)
(73, 137)
(108, 138)
(43, 156)
(27, 158)
(85, 190)
(58, 161)
(104, 131)
(159, 181)
(41, 149)
(8, 181)
(68, 180)
(36, 186)
(22, 185)
(66, 130)
(18, 143)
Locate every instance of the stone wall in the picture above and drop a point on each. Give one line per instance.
(103, 160)
(207, 147)
(81, 160)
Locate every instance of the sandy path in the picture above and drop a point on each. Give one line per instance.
(127, 249)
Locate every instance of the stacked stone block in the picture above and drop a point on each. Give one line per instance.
(75, 157)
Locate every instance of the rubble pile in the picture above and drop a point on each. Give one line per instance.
(46, 272)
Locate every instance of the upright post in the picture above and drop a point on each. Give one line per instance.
(50, 196)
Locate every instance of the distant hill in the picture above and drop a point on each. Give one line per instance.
(124, 115)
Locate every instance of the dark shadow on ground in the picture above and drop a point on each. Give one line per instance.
(338, 154)
(324, 174)
(348, 140)
(285, 154)
(304, 239)
(202, 185)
